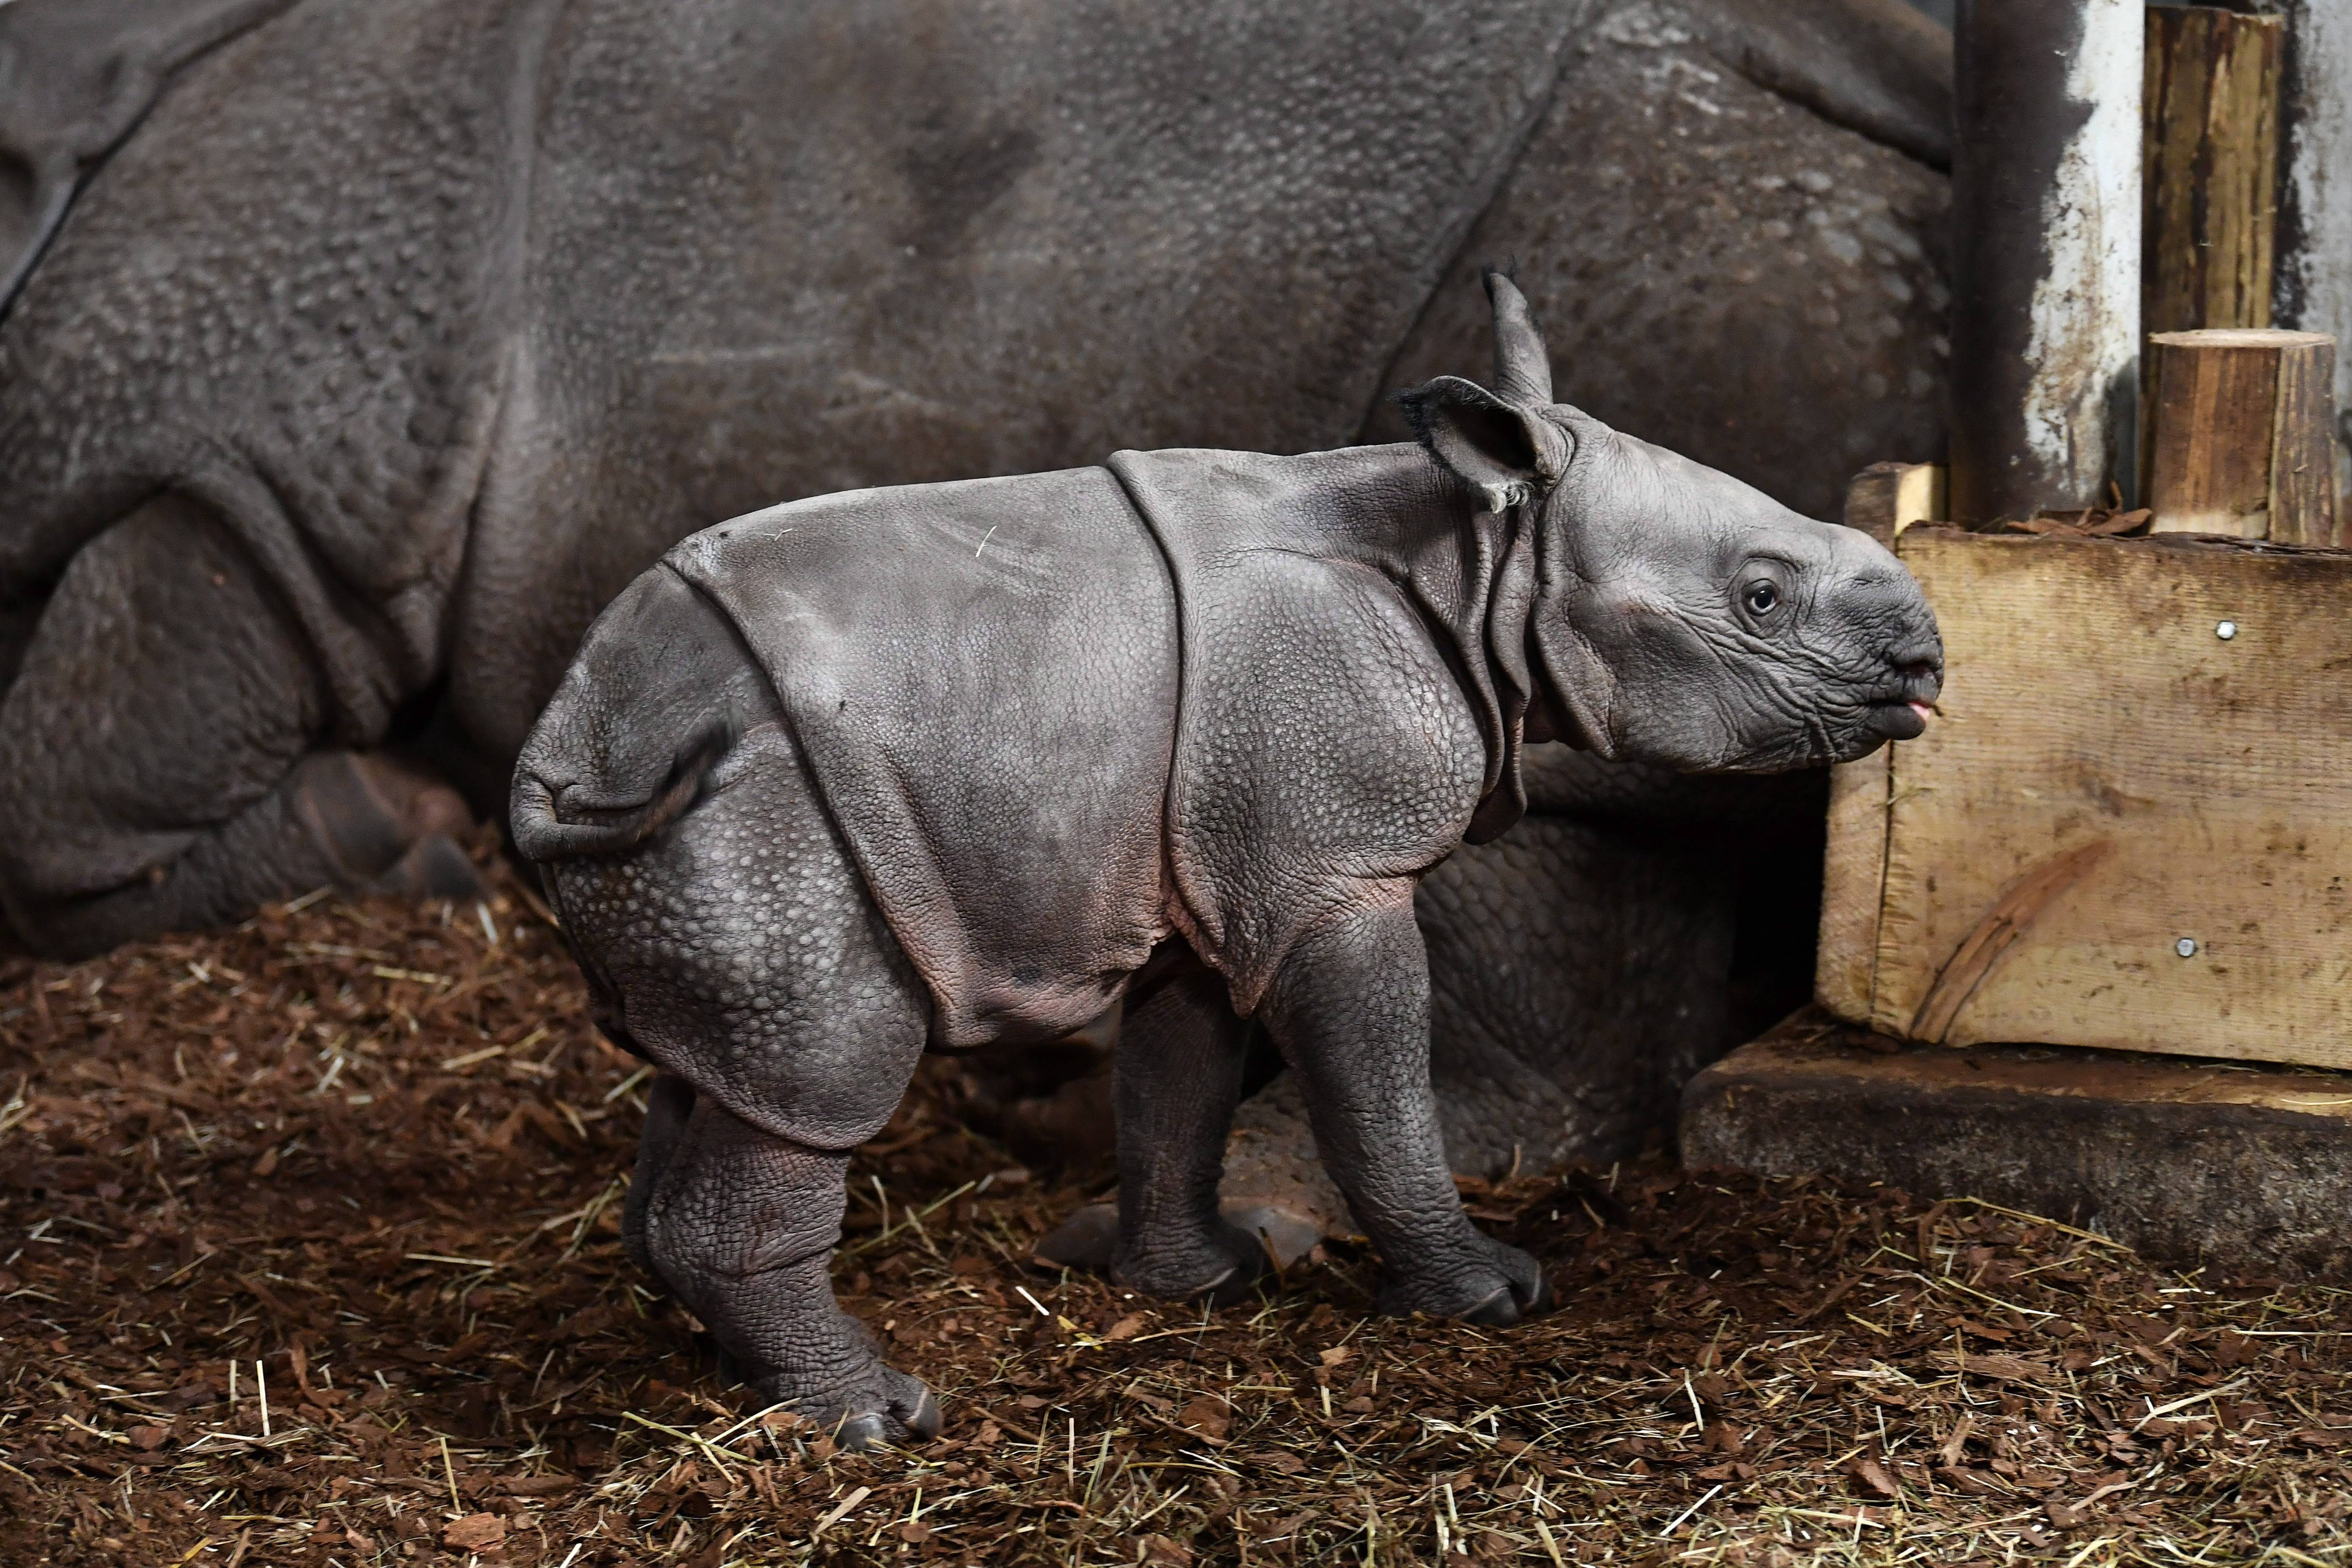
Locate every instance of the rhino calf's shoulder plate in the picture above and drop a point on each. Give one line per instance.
(967, 762)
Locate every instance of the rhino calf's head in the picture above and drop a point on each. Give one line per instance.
(1679, 615)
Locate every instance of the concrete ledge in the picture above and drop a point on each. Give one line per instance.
(2243, 1167)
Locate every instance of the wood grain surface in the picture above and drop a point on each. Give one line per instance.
(2241, 433)
(2210, 171)
(2091, 698)
(1884, 498)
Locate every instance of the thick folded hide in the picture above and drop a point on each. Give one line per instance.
(1354, 680)
(982, 677)
(1059, 718)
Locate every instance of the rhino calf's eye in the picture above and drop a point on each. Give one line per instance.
(1762, 598)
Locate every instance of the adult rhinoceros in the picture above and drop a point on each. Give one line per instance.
(356, 351)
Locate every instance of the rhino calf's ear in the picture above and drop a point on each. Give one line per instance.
(1504, 451)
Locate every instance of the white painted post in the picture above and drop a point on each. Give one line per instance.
(2046, 254)
(2315, 242)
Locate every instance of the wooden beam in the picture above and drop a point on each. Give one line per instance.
(2241, 1169)
(2241, 437)
(2212, 154)
(1884, 498)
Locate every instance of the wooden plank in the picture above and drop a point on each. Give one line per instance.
(2092, 700)
(1854, 878)
(2240, 434)
(2210, 209)
(1884, 498)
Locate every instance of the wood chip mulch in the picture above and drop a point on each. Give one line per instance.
(308, 1254)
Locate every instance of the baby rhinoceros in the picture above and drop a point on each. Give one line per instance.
(954, 763)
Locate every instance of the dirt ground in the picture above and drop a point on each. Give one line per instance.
(308, 1254)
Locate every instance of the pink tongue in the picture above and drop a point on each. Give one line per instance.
(1922, 710)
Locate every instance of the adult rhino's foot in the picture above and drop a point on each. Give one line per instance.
(1086, 1240)
(435, 867)
(1221, 1268)
(877, 1404)
(1274, 1185)
(385, 827)
(1497, 1285)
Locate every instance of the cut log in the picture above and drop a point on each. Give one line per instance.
(2211, 208)
(2241, 437)
(2130, 824)
(1884, 498)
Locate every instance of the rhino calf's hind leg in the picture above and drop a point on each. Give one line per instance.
(742, 1225)
(738, 949)
(1178, 1077)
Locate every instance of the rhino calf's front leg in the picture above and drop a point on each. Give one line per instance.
(1350, 1010)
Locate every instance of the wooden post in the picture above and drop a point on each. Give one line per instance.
(2212, 143)
(2046, 196)
(2242, 434)
(2315, 240)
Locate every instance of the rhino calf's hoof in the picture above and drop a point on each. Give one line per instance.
(1219, 1268)
(889, 1408)
(1504, 1307)
(1495, 1290)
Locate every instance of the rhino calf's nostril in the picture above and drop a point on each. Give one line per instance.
(1925, 654)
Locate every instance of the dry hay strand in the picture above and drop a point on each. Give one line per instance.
(310, 1257)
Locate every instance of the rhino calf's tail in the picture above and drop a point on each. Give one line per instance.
(552, 822)
(615, 760)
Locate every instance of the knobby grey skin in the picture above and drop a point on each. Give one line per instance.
(354, 353)
(967, 762)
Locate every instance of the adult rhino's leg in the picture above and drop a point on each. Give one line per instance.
(669, 1103)
(160, 757)
(1178, 1078)
(1350, 1009)
(738, 949)
(1581, 973)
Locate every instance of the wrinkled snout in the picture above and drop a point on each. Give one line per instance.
(1887, 616)
(1916, 679)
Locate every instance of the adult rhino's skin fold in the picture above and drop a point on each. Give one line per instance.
(429, 323)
